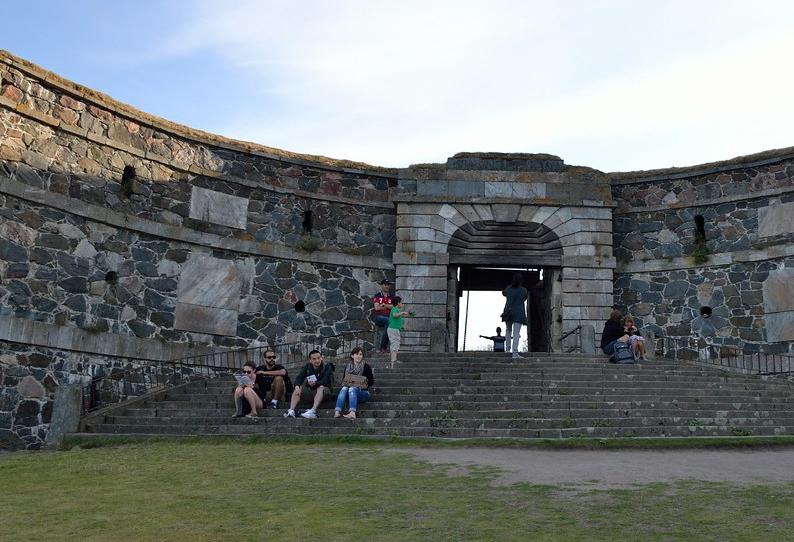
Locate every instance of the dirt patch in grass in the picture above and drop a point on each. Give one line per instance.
(607, 469)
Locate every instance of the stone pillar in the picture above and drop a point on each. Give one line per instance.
(65, 415)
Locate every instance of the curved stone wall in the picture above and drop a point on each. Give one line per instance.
(728, 283)
(125, 238)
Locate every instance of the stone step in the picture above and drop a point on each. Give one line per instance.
(410, 411)
(361, 427)
(623, 395)
(483, 387)
(326, 419)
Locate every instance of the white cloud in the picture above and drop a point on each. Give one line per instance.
(619, 85)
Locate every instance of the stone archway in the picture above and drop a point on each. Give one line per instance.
(481, 257)
(434, 236)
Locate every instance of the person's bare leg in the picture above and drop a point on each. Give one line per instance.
(253, 400)
(318, 397)
(641, 349)
(296, 398)
(278, 389)
(238, 397)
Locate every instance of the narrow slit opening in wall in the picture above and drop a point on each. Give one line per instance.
(127, 177)
(307, 221)
(700, 228)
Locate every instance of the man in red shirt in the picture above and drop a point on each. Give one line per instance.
(383, 305)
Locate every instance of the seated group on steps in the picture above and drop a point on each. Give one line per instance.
(263, 386)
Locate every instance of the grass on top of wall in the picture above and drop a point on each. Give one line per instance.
(234, 490)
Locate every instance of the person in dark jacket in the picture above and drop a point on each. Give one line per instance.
(613, 332)
(514, 314)
(352, 393)
(315, 378)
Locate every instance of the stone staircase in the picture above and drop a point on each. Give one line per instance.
(482, 395)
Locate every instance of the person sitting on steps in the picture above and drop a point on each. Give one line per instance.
(498, 340)
(613, 332)
(636, 341)
(358, 392)
(315, 379)
(250, 396)
(276, 377)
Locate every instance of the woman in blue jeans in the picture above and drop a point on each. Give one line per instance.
(354, 394)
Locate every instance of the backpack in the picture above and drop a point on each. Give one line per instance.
(622, 354)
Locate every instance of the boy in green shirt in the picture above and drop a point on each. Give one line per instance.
(396, 316)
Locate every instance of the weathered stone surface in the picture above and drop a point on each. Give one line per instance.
(30, 388)
(780, 326)
(210, 282)
(779, 291)
(209, 320)
(218, 208)
(17, 233)
(12, 252)
(776, 220)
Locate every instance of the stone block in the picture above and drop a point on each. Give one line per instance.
(421, 283)
(779, 291)
(498, 190)
(421, 270)
(210, 282)
(431, 188)
(210, 320)
(218, 208)
(65, 414)
(529, 191)
(30, 388)
(587, 300)
(776, 220)
(505, 213)
(587, 339)
(468, 189)
(484, 212)
(587, 286)
(780, 326)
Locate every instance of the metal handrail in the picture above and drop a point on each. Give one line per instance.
(571, 332)
(578, 330)
(121, 385)
(701, 350)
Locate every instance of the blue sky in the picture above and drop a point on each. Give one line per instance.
(614, 85)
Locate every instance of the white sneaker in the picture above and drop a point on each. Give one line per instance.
(289, 414)
(516, 355)
(309, 414)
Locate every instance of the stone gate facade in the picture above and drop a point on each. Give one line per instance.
(127, 239)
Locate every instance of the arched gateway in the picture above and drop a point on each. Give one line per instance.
(503, 211)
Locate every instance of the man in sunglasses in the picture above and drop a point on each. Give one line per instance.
(276, 377)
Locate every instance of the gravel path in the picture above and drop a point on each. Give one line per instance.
(585, 469)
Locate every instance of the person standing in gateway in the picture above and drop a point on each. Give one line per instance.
(514, 313)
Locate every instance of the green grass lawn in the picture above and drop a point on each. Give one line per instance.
(237, 490)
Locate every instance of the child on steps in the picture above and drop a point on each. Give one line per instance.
(396, 316)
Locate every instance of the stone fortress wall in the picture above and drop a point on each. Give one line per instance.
(125, 238)
(732, 285)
